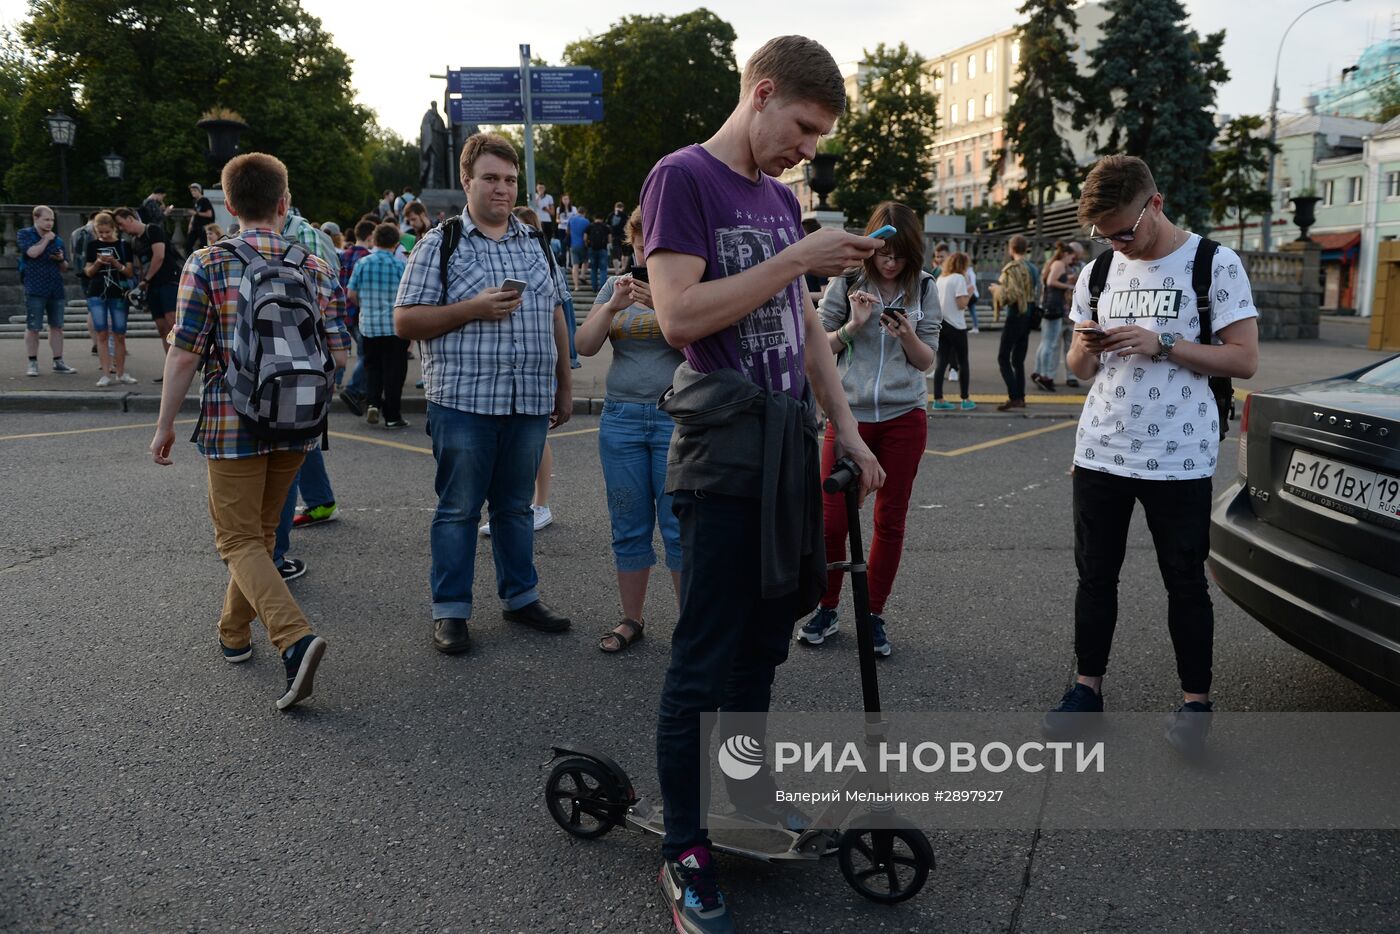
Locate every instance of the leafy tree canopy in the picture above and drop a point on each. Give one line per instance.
(1237, 171)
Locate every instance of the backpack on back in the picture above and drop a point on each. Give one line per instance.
(280, 366)
(452, 236)
(1221, 387)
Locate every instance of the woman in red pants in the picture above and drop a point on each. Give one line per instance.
(882, 322)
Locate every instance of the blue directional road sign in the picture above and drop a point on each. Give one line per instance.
(556, 81)
(487, 110)
(475, 82)
(566, 109)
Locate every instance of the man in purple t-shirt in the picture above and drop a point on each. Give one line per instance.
(723, 244)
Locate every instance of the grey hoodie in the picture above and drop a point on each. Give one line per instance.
(880, 383)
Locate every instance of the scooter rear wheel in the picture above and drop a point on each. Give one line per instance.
(584, 798)
(885, 865)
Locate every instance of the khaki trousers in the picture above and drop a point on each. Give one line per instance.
(245, 502)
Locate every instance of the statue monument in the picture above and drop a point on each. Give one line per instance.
(432, 151)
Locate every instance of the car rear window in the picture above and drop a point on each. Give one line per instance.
(1386, 376)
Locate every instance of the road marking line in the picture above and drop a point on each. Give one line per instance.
(418, 450)
(1000, 441)
(84, 431)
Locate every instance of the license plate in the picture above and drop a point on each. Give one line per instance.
(1344, 487)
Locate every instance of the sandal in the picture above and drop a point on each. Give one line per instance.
(621, 636)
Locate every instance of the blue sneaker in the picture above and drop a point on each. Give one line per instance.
(816, 630)
(1067, 721)
(882, 644)
(692, 887)
(234, 656)
(300, 661)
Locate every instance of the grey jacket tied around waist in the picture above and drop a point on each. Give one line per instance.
(735, 438)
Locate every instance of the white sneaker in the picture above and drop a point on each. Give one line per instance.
(976, 330)
(33, 368)
(105, 381)
(127, 378)
(485, 530)
(952, 374)
(543, 516)
(372, 415)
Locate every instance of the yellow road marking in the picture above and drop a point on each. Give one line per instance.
(1007, 440)
(84, 431)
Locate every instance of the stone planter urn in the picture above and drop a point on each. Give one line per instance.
(1303, 215)
(223, 140)
(821, 177)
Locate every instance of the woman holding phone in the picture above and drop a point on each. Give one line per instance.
(107, 265)
(882, 322)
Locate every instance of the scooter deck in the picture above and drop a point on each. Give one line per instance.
(729, 835)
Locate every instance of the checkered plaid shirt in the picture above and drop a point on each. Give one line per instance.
(375, 280)
(208, 317)
(488, 367)
(349, 256)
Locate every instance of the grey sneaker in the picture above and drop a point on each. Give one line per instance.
(33, 368)
(60, 367)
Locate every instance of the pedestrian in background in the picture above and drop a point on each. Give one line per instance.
(373, 285)
(1054, 288)
(202, 217)
(597, 235)
(43, 261)
(107, 263)
(577, 225)
(361, 239)
(1016, 291)
(954, 298)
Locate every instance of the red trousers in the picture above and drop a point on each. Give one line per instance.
(898, 444)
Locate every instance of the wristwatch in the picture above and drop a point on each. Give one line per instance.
(1166, 342)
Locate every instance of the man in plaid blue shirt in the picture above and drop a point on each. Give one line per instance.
(496, 370)
(373, 285)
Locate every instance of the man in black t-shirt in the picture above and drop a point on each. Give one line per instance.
(203, 216)
(154, 208)
(160, 266)
(596, 238)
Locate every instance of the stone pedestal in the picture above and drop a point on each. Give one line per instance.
(835, 219)
(448, 200)
(1302, 322)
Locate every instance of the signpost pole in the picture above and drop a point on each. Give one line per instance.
(527, 106)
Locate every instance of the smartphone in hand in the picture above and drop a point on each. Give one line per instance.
(884, 233)
(514, 285)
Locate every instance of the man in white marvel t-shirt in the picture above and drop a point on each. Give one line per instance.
(1150, 430)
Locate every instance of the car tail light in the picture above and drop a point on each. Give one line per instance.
(1244, 437)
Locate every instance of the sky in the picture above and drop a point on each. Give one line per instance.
(396, 48)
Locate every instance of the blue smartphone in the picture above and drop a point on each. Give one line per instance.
(884, 233)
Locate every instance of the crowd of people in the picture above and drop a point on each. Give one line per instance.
(734, 332)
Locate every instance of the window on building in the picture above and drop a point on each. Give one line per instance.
(986, 158)
(1392, 184)
(971, 67)
(1328, 189)
(967, 163)
(938, 82)
(952, 168)
(987, 106)
(1354, 189)
(1015, 52)
(991, 60)
(971, 109)
(952, 114)
(967, 201)
(953, 72)
(933, 171)
(1285, 192)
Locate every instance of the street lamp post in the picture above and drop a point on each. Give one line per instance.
(62, 129)
(1267, 219)
(116, 167)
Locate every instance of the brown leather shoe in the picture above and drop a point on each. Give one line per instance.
(450, 636)
(538, 616)
(1010, 404)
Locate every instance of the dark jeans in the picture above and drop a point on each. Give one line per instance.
(1011, 354)
(726, 645)
(597, 267)
(1178, 514)
(952, 351)
(386, 365)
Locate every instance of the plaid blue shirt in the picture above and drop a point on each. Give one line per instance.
(375, 280)
(488, 367)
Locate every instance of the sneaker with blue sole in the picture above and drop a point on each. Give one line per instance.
(819, 628)
(301, 661)
(882, 642)
(234, 656)
(692, 887)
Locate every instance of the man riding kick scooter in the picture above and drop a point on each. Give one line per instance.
(724, 247)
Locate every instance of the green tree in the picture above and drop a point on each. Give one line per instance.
(15, 73)
(668, 81)
(393, 160)
(138, 74)
(1387, 101)
(1154, 87)
(1237, 172)
(887, 138)
(1046, 93)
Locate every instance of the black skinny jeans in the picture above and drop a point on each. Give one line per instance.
(386, 365)
(1178, 514)
(1011, 354)
(725, 648)
(952, 351)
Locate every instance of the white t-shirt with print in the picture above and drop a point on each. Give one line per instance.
(1156, 420)
(951, 287)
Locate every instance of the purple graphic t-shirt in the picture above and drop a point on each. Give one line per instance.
(695, 204)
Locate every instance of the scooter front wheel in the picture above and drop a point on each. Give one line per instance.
(584, 798)
(885, 865)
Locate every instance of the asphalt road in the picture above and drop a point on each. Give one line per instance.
(148, 786)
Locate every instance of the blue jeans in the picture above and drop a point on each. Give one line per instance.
(1047, 357)
(633, 439)
(972, 311)
(108, 314)
(37, 307)
(356, 386)
(314, 485)
(484, 459)
(597, 268)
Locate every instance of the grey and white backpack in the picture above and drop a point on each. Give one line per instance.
(280, 366)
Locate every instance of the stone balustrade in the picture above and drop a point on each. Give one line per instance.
(69, 217)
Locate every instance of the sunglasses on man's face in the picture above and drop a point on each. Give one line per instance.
(1123, 236)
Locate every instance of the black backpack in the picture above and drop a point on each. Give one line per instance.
(452, 235)
(1221, 387)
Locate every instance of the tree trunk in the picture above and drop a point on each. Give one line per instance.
(1040, 213)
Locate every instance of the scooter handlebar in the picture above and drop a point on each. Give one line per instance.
(844, 473)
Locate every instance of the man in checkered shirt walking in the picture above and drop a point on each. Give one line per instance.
(496, 371)
(248, 478)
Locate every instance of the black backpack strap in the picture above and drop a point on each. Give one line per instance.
(243, 250)
(451, 236)
(1201, 284)
(1098, 278)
